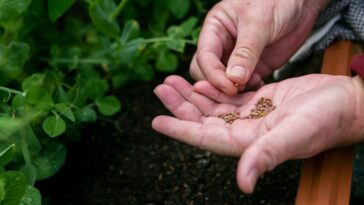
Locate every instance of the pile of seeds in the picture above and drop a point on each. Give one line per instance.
(230, 117)
(262, 108)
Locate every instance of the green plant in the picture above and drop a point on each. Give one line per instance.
(60, 60)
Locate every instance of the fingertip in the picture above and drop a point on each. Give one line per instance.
(205, 87)
(238, 74)
(156, 123)
(229, 90)
(159, 122)
(172, 79)
(158, 89)
(247, 182)
(248, 171)
(201, 85)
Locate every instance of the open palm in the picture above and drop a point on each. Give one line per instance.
(314, 113)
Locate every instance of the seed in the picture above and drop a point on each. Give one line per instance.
(230, 117)
(262, 108)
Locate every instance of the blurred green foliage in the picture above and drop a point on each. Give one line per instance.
(60, 61)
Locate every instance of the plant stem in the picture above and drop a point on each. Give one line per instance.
(11, 90)
(118, 10)
(82, 61)
(24, 146)
(25, 152)
(167, 39)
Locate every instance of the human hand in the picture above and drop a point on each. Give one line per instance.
(313, 113)
(244, 40)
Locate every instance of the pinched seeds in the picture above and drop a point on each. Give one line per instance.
(262, 108)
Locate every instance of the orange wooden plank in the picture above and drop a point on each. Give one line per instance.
(326, 178)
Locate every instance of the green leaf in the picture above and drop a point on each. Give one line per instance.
(18, 101)
(7, 153)
(12, 60)
(56, 8)
(31, 196)
(178, 8)
(2, 189)
(120, 80)
(50, 160)
(30, 172)
(54, 126)
(108, 105)
(183, 30)
(166, 62)
(101, 15)
(65, 111)
(93, 88)
(39, 96)
(10, 9)
(8, 126)
(130, 50)
(33, 80)
(15, 185)
(177, 45)
(130, 30)
(143, 71)
(31, 140)
(196, 34)
(86, 114)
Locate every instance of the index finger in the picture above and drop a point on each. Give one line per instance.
(214, 43)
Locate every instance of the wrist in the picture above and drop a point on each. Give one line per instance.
(357, 133)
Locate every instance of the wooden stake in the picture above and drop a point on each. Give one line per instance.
(326, 178)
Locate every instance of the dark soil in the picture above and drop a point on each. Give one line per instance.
(140, 166)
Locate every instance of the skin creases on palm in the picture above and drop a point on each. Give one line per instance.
(302, 112)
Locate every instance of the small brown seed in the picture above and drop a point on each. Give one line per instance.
(262, 108)
(230, 117)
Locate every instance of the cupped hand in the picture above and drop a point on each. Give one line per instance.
(244, 40)
(313, 113)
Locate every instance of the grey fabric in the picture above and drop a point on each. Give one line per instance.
(350, 27)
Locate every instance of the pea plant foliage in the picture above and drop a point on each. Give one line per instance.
(61, 62)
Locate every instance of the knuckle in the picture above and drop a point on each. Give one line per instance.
(272, 156)
(193, 73)
(244, 52)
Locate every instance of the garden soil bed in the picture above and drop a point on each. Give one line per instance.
(140, 166)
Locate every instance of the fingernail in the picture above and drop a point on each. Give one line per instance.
(238, 72)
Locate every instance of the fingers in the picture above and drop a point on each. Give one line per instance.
(210, 91)
(187, 91)
(214, 71)
(215, 43)
(251, 41)
(176, 104)
(195, 70)
(214, 136)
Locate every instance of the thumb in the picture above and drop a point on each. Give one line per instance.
(283, 142)
(251, 41)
